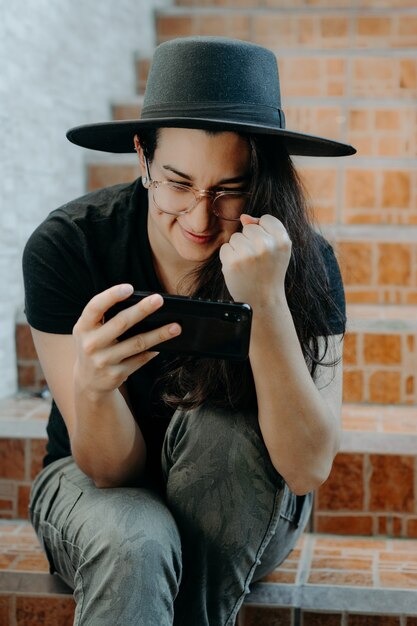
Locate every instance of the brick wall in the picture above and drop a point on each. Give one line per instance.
(65, 63)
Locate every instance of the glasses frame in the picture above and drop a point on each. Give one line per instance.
(198, 195)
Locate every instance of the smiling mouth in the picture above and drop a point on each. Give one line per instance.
(196, 238)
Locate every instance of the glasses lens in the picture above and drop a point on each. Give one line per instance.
(230, 206)
(172, 198)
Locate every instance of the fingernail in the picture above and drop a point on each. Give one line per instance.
(156, 299)
(125, 290)
(174, 329)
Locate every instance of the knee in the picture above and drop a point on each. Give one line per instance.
(140, 539)
(221, 485)
(218, 443)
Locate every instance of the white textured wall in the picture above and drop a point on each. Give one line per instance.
(62, 63)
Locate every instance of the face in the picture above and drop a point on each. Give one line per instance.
(211, 162)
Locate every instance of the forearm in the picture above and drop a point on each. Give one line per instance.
(106, 442)
(300, 431)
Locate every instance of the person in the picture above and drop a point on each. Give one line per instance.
(171, 483)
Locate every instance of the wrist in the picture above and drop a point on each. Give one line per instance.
(93, 396)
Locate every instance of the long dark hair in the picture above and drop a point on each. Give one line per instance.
(275, 189)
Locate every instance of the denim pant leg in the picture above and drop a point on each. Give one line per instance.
(236, 516)
(119, 549)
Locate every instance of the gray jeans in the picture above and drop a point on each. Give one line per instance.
(134, 557)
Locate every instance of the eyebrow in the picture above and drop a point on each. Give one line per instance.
(224, 181)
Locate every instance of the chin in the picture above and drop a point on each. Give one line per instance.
(197, 256)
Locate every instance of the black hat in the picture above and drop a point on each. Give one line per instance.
(209, 83)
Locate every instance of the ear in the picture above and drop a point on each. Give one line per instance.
(142, 165)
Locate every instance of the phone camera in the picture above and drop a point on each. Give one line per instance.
(232, 317)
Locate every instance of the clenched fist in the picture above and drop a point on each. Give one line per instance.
(255, 260)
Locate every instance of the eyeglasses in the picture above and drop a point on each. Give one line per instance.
(179, 199)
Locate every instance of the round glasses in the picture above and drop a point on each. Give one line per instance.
(179, 199)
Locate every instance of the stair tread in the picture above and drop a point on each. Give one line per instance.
(23, 408)
(318, 564)
(381, 318)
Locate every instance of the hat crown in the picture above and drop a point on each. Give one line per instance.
(209, 83)
(212, 69)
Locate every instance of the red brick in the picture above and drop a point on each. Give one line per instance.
(5, 609)
(360, 188)
(344, 524)
(171, 26)
(408, 76)
(356, 579)
(355, 259)
(353, 386)
(12, 458)
(391, 483)
(374, 26)
(26, 376)
(321, 619)
(373, 620)
(394, 264)
(385, 387)
(37, 451)
(396, 191)
(25, 348)
(412, 528)
(104, 175)
(350, 349)
(344, 489)
(382, 349)
(23, 493)
(48, 611)
(265, 616)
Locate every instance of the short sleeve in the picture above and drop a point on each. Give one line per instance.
(336, 304)
(57, 280)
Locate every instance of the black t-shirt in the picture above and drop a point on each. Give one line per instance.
(87, 246)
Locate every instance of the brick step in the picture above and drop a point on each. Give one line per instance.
(306, 28)
(370, 490)
(375, 129)
(378, 263)
(292, 4)
(380, 355)
(343, 75)
(362, 191)
(349, 576)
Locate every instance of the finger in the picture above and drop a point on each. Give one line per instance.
(119, 373)
(143, 342)
(107, 334)
(135, 362)
(94, 311)
(127, 318)
(272, 225)
(226, 254)
(248, 219)
(232, 251)
(241, 243)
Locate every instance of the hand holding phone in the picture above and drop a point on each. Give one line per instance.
(209, 328)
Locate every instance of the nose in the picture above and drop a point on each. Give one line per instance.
(201, 218)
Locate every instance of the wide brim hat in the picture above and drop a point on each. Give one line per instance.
(209, 83)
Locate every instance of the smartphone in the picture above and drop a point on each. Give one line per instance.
(209, 328)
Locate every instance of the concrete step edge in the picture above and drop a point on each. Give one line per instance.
(177, 10)
(373, 436)
(383, 318)
(300, 594)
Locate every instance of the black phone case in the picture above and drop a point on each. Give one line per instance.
(209, 328)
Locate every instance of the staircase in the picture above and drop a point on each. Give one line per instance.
(348, 71)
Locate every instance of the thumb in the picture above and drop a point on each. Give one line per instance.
(248, 219)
